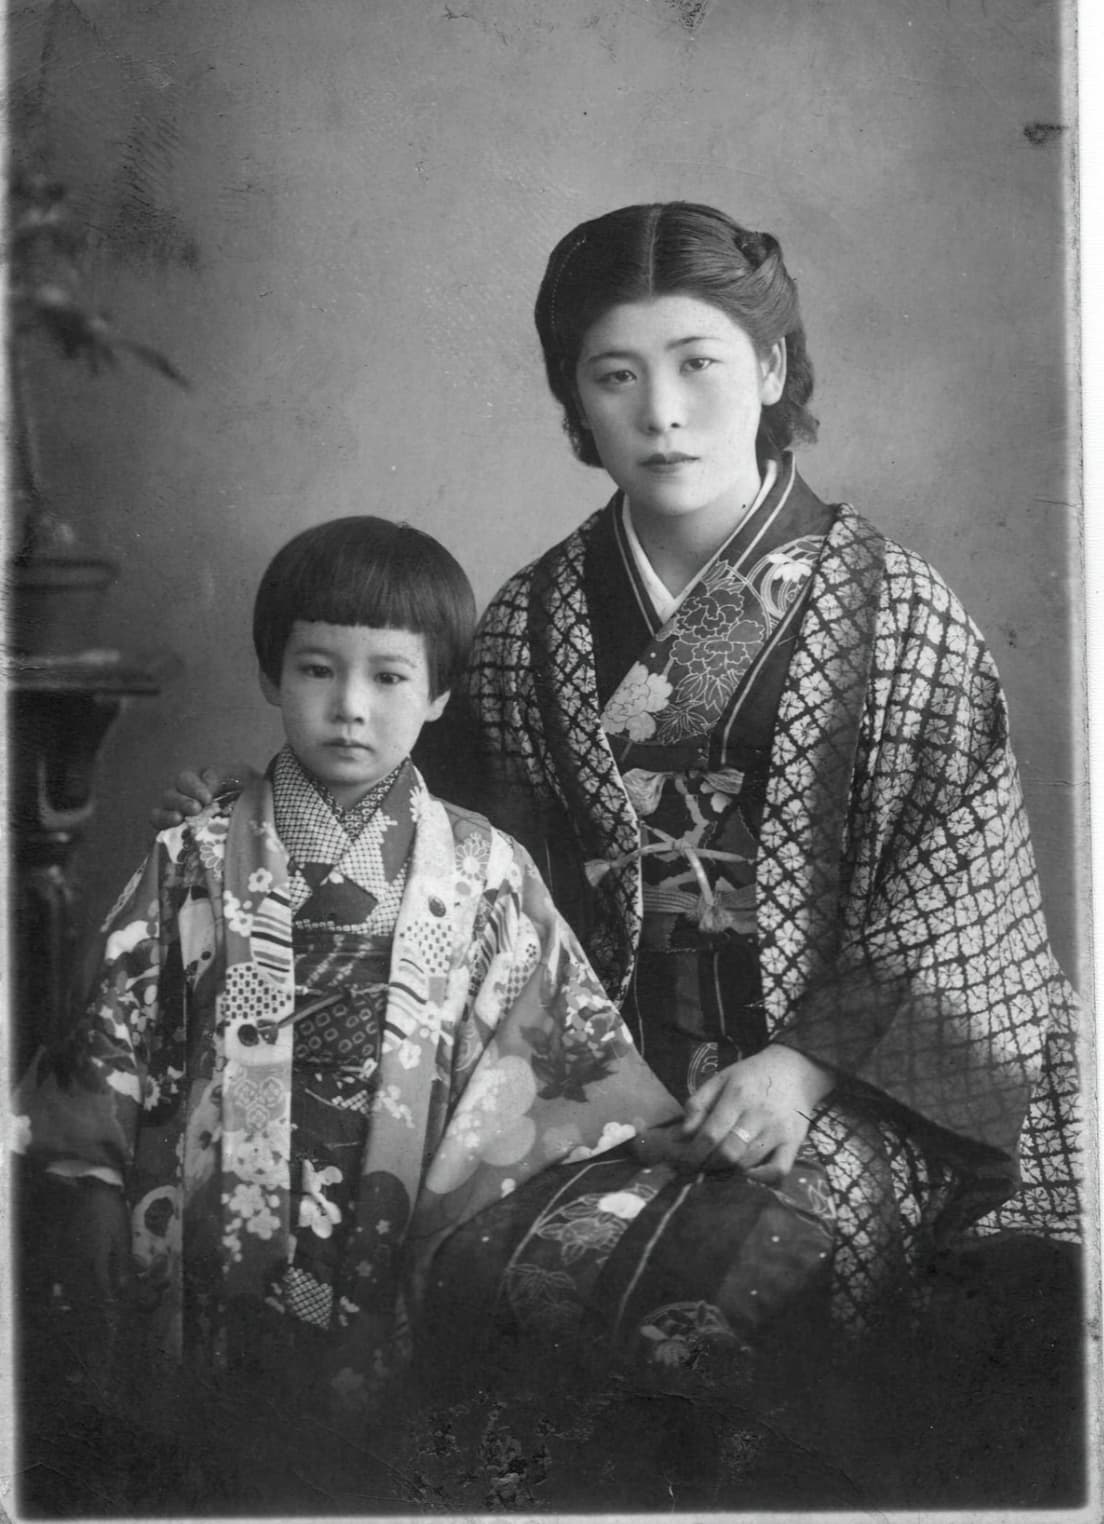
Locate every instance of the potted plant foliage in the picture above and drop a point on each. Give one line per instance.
(55, 585)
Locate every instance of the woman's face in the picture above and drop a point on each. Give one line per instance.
(672, 390)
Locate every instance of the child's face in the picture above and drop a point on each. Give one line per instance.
(353, 701)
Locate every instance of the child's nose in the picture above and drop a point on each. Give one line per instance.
(353, 700)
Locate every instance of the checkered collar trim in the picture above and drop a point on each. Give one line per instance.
(311, 824)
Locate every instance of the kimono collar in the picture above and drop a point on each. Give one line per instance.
(365, 846)
(663, 600)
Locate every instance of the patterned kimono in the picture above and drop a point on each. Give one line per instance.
(787, 812)
(321, 1040)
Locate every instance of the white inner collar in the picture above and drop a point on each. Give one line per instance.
(662, 599)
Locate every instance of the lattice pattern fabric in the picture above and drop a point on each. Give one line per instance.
(902, 937)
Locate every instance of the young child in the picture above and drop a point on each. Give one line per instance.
(335, 1017)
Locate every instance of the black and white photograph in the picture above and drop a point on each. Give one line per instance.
(550, 962)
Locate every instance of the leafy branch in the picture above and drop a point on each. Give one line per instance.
(46, 296)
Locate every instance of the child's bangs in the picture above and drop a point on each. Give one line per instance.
(365, 591)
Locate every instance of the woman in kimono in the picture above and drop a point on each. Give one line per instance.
(761, 753)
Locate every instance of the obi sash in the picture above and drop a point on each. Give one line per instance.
(689, 721)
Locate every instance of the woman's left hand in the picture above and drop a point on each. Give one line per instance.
(755, 1114)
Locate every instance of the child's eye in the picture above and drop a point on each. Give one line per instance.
(390, 679)
(316, 669)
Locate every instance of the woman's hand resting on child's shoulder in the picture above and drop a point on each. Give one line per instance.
(752, 1116)
(191, 792)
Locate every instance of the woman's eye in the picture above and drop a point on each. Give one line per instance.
(698, 363)
(390, 679)
(615, 378)
(315, 669)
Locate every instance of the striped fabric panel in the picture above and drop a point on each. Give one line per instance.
(270, 940)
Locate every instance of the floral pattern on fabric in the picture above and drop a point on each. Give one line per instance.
(895, 901)
(462, 1109)
(649, 1266)
(693, 667)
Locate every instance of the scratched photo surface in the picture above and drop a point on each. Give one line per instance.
(318, 232)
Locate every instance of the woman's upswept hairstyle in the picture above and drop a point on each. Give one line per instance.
(673, 248)
(367, 571)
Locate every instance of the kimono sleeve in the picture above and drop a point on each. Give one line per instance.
(77, 1109)
(551, 1072)
(943, 987)
(501, 719)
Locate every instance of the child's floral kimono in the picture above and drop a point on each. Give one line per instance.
(322, 1043)
(300, 1163)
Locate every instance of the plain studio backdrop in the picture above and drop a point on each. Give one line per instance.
(334, 217)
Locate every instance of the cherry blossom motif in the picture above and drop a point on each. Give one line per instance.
(316, 1211)
(256, 1160)
(260, 881)
(252, 1211)
(237, 914)
(640, 695)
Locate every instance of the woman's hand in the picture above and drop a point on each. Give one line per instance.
(755, 1114)
(191, 792)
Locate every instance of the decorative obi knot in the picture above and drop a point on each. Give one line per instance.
(714, 915)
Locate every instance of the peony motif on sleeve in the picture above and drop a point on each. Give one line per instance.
(640, 695)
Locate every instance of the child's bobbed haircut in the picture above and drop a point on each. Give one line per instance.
(373, 572)
(674, 248)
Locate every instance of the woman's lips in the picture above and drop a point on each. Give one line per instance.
(665, 463)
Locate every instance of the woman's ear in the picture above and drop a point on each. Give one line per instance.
(437, 706)
(773, 370)
(270, 689)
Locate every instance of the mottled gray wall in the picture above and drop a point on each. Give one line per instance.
(334, 217)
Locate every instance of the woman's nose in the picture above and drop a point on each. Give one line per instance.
(663, 405)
